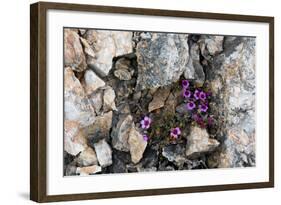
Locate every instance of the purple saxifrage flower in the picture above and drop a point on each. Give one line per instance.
(185, 83)
(145, 122)
(203, 108)
(197, 94)
(175, 132)
(145, 138)
(190, 105)
(202, 95)
(187, 93)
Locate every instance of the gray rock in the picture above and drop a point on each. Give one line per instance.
(100, 128)
(107, 45)
(159, 99)
(161, 59)
(150, 169)
(233, 85)
(104, 153)
(150, 158)
(77, 106)
(182, 108)
(120, 159)
(73, 52)
(175, 153)
(137, 95)
(70, 170)
(86, 158)
(195, 70)
(92, 82)
(198, 141)
(211, 45)
(163, 166)
(120, 133)
(137, 144)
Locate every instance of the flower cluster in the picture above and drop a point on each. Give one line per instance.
(145, 124)
(197, 102)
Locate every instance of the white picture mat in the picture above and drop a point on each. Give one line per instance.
(57, 184)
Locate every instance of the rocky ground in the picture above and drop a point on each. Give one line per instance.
(143, 101)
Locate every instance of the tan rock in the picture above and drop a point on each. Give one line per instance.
(87, 157)
(198, 141)
(120, 133)
(77, 106)
(73, 51)
(84, 171)
(159, 99)
(92, 82)
(100, 128)
(74, 138)
(109, 99)
(107, 45)
(87, 49)
(137, 144)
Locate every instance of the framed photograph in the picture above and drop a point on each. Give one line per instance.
(134, 102)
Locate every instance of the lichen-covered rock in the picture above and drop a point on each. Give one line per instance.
(106, 45)
(77, 106)
(198, 141)
(175, 153)
(87, 157)
(233, 82)
(120, 133)
(137, 144)
(100, 128)
(104, 153)
(73, 51)
(92, 82)
(194, 69)
(74, 138)
(159, 99)
(123, 70)
(161, 59)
